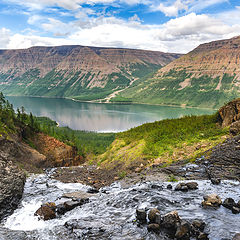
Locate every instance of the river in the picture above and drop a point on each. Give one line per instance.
(111, 213)
(100, 117)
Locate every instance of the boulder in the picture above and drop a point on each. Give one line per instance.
(192, 185)
(235, 128)
(181, 187)
(198, 224)
(92, 190)
(203, 236)
(236, 236)
(215, 181)
(186, 186)
(169, 186)
(230, 113)
(154, 227)
(12, 181)
(183, 231)
(67, 206)
(229, 203)
(235, 210)
(141, 215)
(46, 211)
(171, 220)
(153, 215)
(212, 200)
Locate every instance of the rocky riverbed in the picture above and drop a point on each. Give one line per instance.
(111, 213)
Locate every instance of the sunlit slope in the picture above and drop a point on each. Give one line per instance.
(208, 76)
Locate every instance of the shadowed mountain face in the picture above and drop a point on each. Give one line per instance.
(86, 73)
(208, 76)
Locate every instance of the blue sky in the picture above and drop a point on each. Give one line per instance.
(162, 25)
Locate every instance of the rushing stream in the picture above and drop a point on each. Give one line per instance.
(110, 214)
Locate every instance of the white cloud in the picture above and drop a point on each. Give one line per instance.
(171, 10)
(4, 37)
(34, 19)
(181, 34)
(57, 27)
(18, 41)
(198, 5)
(135, 18)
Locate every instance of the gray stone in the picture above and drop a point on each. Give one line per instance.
(141, 215)
(235, 210)
(212, 200)
(236, 236)
(154, 227)
(153, 214)
(12, 181)
(229, 203)
(183, 231)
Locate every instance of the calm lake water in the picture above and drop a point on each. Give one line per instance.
(100, 117)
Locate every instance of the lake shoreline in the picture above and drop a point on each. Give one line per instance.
(115, 103)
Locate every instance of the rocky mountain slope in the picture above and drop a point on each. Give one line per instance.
(85, 73)
(208, 76)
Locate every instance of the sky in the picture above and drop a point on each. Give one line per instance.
(176, 26)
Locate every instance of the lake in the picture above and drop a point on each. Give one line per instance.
(99, 117)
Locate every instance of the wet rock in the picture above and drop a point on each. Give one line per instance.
(212, 200)
(67, 206)
(171, 220)
(199, 224)
(203, 236)
(229, 203)
(215, 181)
(92, 190)
(153, 215)
(7, 234)
(181, 187)
(46, 211)
(79, 196)
(141, 215)
(186, 186)
(154, 227)
(169, 186)
(236, 236)
(192, 185)
(183, 231)
(155, 186)
(12, 181)
(235, 210)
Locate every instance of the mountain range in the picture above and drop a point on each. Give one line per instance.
(208, 76)
(79, 72)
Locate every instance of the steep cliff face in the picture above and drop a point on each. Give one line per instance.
(208, 76)
(214, 59)
(75, 71)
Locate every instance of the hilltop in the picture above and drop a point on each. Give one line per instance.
(208, 76)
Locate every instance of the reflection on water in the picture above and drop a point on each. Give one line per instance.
(99, 117)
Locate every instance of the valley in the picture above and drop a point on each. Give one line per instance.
(84, 169)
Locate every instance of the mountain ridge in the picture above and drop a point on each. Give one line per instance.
(73, 71)
(208, 76)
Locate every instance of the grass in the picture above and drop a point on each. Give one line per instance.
(165, 141)
(201, 92)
